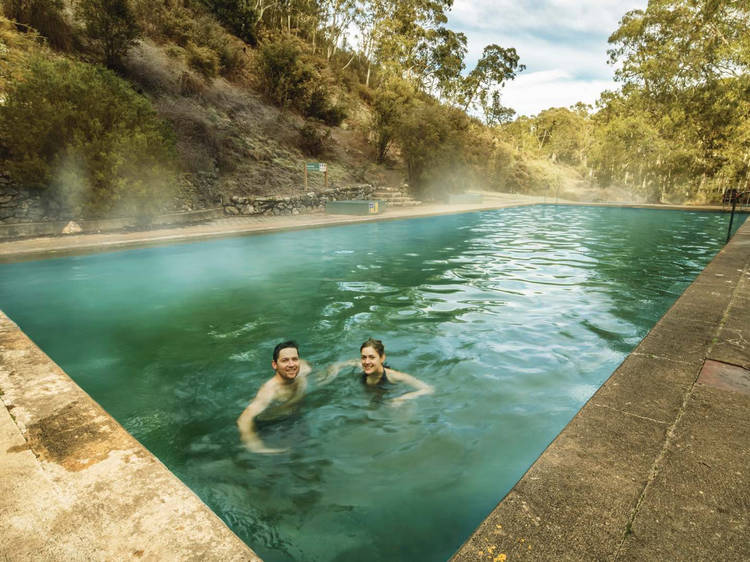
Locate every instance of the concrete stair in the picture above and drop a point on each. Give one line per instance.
(395, 197)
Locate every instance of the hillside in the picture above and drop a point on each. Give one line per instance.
(188, 114)
(231, 141)
(133, 108)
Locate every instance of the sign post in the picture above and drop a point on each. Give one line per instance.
(317, 167)
(731, 217)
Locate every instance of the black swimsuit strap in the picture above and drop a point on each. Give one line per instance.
(383, 380)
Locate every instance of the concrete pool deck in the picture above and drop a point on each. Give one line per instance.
(653, 466)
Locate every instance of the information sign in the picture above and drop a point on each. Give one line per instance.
(317, 167)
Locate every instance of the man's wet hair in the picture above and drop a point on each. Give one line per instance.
(377, 345)
(284, 345)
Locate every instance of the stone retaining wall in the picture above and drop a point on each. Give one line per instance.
(18, 204)
(307, 203)
(54, 228)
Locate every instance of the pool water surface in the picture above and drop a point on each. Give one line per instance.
(515, 316)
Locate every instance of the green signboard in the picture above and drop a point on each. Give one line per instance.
(316, 167)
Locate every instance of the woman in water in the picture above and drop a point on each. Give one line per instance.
(376, 373)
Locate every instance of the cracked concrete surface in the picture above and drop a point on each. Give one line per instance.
(76, 486)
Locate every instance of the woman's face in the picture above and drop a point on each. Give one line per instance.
(372, 363)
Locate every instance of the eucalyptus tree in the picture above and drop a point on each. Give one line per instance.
(442, 53)
(494, 69)
(337, 16)
(685, 65)
(394, 34)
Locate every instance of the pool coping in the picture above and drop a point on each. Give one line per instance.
(98, 494)
(76, 486)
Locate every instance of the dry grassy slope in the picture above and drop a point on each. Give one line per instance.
(231, 142)
(567, 182)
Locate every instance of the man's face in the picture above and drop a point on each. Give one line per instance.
(371, 362)
(287, 365)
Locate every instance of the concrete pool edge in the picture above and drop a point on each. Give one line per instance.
(76, 486)
(654, 465)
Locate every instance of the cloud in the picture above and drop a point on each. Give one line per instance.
(531, 93)
(563, 44)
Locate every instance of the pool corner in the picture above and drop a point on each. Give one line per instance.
(75, 485)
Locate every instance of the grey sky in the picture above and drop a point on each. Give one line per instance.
(563, 44)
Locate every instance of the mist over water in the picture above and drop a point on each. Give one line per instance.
(516, 317)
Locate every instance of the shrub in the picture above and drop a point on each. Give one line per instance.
(194, 25)
(284, 76)
(202, 59)
(228, 49)
(239, 17)
(45, 16)
(320, 107)
(84, 137)
(432, 137)
(312, 140)
(111, 26)
(191, 85)
(292, 78)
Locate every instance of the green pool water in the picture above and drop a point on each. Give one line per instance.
(516, 317)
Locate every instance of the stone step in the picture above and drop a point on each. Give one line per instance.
(390, 193)
(410, 203)
(401, 198)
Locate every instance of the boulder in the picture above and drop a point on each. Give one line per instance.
(72, 228)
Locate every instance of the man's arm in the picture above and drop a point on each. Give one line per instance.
(420, 387)
(335, 369)
(246, 421)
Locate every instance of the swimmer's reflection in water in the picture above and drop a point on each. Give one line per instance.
(278, 394)
(375, 372)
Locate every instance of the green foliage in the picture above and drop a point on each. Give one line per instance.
(562, 134)
(111, 27)
(290, 77)
(312, 140)
(45, 16)
(320, 107)
(389, 104)
(432, 138)
(683, 112)
(229, 50)
(202, 59)
(495, 67)
(239, 16)
(196, 32)
(285, 77)
(83, 133)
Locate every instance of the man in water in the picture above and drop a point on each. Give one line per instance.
(283, 390)
(376, 373)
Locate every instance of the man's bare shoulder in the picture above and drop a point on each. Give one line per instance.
(269, 388)
(304, 368)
